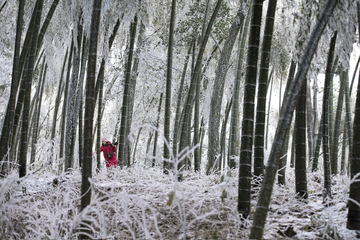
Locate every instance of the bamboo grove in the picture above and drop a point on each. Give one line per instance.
(185, 86)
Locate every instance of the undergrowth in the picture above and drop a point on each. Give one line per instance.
(144, 203)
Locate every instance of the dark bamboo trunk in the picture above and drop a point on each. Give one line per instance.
(28, 82)
(353, 218)
(338, 116)
(64, 107)
(262, 90)
(300, 145)
(125, 103)
(89, 102)
(325, 119)
(249, 111)
(168, 88)
(257, 228)
(6, 133)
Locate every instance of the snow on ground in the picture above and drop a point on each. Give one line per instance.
(143, 203)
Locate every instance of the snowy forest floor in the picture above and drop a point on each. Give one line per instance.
(142, 203)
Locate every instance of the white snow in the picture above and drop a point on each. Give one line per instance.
(134, 203)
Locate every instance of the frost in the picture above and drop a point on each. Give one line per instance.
(134, 204)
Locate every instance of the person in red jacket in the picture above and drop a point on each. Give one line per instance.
(109, 151)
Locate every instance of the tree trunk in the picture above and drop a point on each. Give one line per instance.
(27, 40)
(102, 65)
(2, 7)
(285, 120)
(134, 75)
(262, 90)
(353, 218)
(197, 154)
(35, 129)
(178, 103)
(300, 145)
(64, 107)
(99, 92)
(6, 133)
(319, 135)
(80, 98)
(71, 99)
(349, 124)
(354, 75)
(283, 162)
(310, 125)
(234, 141)
(99, 116)
(23, 61)
(270, 81)
(27, 96)
(331, 115)
(218, 91)
(335, 147)
(315, 162)
(81, 131)
(56, 107)
(292, 160)
(249, 111)
(196, 73)
(46, 24)
(186, 133)
(24, 54)
(34, 101)
(125, 103)
(168, 89)
(136, 144)
(285, 150)
(222, 160)
(343, 150)
(89, 102)
(325, 119)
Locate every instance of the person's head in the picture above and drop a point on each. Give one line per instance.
(104, 140)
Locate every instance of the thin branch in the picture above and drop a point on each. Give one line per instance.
(2, 7)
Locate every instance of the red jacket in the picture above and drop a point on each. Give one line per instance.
(108, 148)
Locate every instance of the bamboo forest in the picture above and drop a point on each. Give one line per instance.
(179, 119)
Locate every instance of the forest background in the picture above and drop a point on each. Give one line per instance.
(200, 96)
